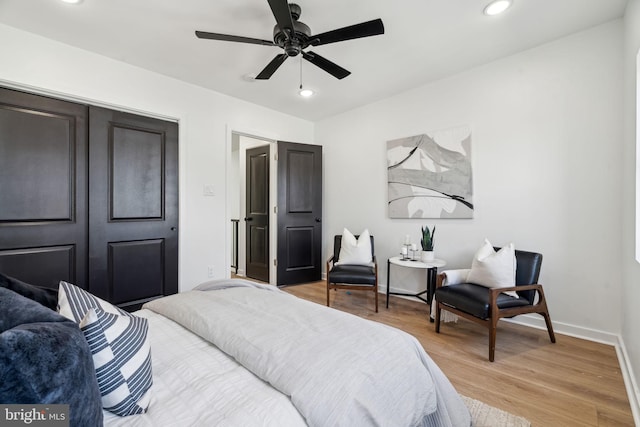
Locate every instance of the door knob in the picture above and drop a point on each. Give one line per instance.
(248, 219)
(318, 220)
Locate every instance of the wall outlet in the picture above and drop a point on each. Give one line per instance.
(210, 271)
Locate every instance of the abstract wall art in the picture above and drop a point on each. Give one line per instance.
(429, 175)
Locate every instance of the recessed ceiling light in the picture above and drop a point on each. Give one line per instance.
(306, 93)
(496, 7)
(72, 1)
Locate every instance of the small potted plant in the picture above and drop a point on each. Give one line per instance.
(427, 243)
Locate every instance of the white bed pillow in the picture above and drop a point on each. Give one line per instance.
(494, 269)
(355, 251)
(119, 345)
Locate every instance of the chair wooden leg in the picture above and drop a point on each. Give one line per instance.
(547, 320)
(542, 303)
(493, 326)
(375, 289)
(328, 290)
(438, 309)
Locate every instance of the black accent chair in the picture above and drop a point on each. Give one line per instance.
(351, 276)
(488, 305)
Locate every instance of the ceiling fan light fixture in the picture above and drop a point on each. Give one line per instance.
(306, 93)
(497, 7)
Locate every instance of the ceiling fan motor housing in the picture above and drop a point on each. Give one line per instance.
(295, 10)
(294, 44)
(297, 41)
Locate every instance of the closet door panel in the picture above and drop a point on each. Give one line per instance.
(146, 279)
(37, 151)
(137, 164)
(133, 255)
(43, 185)
(27, 264)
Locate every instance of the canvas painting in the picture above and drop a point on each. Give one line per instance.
(429, 175)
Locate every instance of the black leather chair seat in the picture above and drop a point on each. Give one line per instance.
(475, 299)
(353, 274)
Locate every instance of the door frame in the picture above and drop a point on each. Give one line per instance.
(237, 165)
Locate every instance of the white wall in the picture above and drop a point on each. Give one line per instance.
(206, 121)
(631, 214)
(546, 152)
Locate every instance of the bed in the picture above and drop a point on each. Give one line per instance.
(237, 353)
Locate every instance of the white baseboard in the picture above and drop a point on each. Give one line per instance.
(615, 340)
(239, 273)
(629, 380)
(536, 321)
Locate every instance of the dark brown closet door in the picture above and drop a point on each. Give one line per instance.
(43, 202)
(133, 207)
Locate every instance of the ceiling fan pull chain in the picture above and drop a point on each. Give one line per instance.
(300, 72)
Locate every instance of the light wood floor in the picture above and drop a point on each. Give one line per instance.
(571, 383)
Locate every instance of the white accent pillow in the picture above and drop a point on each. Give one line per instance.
(355, 251)
(119, 345)
(494, 269)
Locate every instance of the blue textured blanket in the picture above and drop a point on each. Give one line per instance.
(45, 359)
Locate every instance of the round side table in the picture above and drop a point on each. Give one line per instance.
(430, 266)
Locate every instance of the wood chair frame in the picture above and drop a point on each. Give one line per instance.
(495, 313)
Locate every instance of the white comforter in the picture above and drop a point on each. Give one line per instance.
(197, 385)
(338, 369)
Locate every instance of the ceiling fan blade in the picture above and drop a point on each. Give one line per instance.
(272, 67)
(330, 67)
(364, 29)
(281, 12)
(229, 38)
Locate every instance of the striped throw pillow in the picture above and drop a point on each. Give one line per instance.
(119, 345)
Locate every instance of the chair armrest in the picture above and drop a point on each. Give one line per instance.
(535, 287)
(329, 262)
(440, 279)
(375, 266)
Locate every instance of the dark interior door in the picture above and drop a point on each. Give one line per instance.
(299, 213)
(257, 208)
(133, 207)
(43, 187)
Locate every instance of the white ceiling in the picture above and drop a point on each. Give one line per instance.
(424, 40)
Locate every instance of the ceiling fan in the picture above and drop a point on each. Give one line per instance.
(294, 36)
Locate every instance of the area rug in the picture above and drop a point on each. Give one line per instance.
(484, 415)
